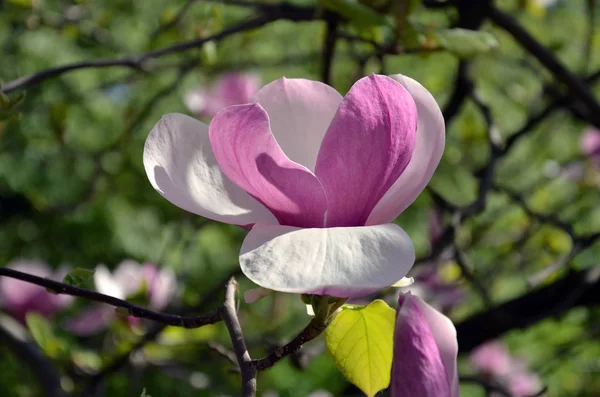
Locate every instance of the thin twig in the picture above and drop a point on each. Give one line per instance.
(133, 310)
(310, 332)
(229, 314)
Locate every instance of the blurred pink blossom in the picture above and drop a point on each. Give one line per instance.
(19, 297)
(589, 144)
(493, 360)
(230, 89)
(127, 280)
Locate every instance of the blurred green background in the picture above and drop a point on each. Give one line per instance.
(73, 188)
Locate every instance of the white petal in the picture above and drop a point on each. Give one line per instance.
(344, 262)
(180, 164)
(128, 275)
(107, 284)
(300, 112)
(426, 156)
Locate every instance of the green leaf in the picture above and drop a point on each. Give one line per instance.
(360, 341)
(82, 278)
(465, 43)
(358, 14)
(40, 330)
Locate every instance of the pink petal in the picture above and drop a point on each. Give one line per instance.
(249, 155)
(429, 147)
(181, 166)
(202, 102)
(162, 285)
(589, 144)
(366, 148)
(20, 297)
(425, 351)
(492, 358)
(345, 261)
(91, 321)
(237, 88)
(300, 112)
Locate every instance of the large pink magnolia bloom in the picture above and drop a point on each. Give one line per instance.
(316, 177)
(492, 359)
(19, 297)
(128, 279)
(230, 89)
(425, 351)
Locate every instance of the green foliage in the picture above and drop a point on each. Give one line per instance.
(465, 43)
(83, 278)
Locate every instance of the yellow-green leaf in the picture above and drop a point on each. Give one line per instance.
(360, 340)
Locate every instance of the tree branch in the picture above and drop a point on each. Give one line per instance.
(314, 328)
(530, 308)
(575, 85)
(229, 314)
(133, 310)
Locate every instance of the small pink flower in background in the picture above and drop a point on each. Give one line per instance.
(589, 144)
(20, 298)
(316, 177)
(230, 89)
(128, 279)
(425, 351)
(493, 360)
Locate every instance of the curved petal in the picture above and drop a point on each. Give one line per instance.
(107, 284)
(249, 155)
(181, 166)
(300, 112)
(344, 262)
(429, 147)
(424, 341)
(367, 146)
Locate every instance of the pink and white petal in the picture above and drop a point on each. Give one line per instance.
(444, 333)
(366, 148)
(202, 102)
(429, 147)
(107, 284)
(16, 293)
(237, 88)
(300, 112)
(129, 277)
(256, 294)
(162, 285)
(91, 321)
(181, 166)
(344, 262)
(249, 155)
(418, 368)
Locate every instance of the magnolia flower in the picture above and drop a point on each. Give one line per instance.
(425, 351)
(493, 360)
(589, 144)
(128, 279)
(20, 298)
(316, 177)
(230, 89)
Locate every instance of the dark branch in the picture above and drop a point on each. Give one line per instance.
(578, 288)
(575, 85)
(133, 310)
(312, 330)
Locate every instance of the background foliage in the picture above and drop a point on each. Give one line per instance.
(73, 189)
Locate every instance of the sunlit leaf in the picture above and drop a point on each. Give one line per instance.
(360, 340)
(82, 278)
